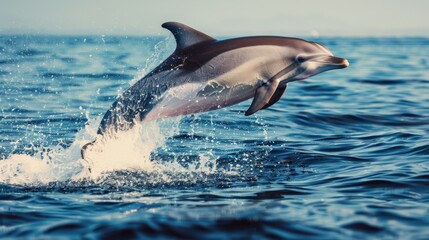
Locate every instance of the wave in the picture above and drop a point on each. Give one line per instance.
(361, 120)
(390, 81)
(29, 52)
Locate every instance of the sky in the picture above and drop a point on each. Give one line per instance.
(217, 17)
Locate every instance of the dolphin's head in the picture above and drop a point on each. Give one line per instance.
(314, 58)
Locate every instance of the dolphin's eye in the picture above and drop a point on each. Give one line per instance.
(300, 59)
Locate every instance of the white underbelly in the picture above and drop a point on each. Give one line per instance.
(198, 97)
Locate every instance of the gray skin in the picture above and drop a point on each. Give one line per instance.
(205, 74)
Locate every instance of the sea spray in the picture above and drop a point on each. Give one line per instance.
(132, 152)
(129, 150)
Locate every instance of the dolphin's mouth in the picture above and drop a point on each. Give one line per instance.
(332, 61)
(320, 64)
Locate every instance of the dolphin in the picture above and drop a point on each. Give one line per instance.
(204, 74)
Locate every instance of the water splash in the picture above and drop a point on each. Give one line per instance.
(130, 151)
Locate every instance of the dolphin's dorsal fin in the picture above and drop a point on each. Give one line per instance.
(185, 35)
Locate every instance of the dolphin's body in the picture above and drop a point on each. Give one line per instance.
(204, 74)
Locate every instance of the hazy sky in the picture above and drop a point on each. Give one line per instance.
(217, 17)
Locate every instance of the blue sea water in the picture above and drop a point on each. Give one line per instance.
(343, 155)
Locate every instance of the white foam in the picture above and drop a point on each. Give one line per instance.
(129, 151)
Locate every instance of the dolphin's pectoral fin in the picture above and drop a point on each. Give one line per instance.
(262, 96)
(276, 96)
(185, 35)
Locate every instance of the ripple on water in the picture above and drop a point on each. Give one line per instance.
(326, 120)
(343, 155)
(29, 52)
(390, 81)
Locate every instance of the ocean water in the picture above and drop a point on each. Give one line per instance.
(343, 155)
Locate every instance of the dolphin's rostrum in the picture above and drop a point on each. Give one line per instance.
(204, 74)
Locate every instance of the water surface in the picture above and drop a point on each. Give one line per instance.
(342, 155)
